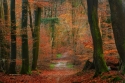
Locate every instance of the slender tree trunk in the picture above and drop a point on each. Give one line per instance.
(25, 54)
(55, 8)
(4, 31)
(6, 13)
(13, 39)
(1, 36)
(6, 20)
(100, 65)
(118, 25)
(36, 38)
(52, 26)
(73, 27)
(31, 21)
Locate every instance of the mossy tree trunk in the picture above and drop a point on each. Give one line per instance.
(100, 65)
(118, 25)
(36, 37)
(13, 39)
(25, 54)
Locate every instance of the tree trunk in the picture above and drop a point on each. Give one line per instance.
(36, 38)
(52, 26)
(6, 20)
(31, 21)
(73, 27)
(100, 65)
(55, 8)
(118, 18)
(25, 54)
(12, 67)
(2, 50)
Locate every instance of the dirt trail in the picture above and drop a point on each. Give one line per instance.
(60, 68)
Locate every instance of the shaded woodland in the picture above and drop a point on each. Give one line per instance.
(62, 41)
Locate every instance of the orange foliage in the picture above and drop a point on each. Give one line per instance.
(43, 4)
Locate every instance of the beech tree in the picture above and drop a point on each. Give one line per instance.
(36, 37)
(4, 31)
(2, 50)
(7, 45)
(13, 39)
(25, 54)
(117, 9)
(100, 65)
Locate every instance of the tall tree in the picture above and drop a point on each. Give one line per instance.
(74, 29)
(55, 7)
(6, 13)
(100, 65)
(2, 50)
(13, 39)
(117, 9)
(25, 54)
(30, 17)
(74, 3)
(36, 37)
(4, 31)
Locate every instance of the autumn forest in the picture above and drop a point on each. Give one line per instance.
(62, 41)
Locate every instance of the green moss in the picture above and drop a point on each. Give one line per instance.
(106, 77)
(50, 20)
(98, 50)
(116, 79)
(120, 1)
(59, 55)
(69, 65)
(52, 66)
(95, 24)
(26, 72)
(100, 65)
(25, 67)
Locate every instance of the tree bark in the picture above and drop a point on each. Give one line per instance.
(12, 68)
(118, 18)
(25, 54)
(31, 21)
(74, 29)
(100, 65)
(2, 50)
(6, 20)
(36, 38)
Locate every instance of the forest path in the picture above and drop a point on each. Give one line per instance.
(60, 68)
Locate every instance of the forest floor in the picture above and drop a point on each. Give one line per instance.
(86, 77)
(68, 75)
(63, 76)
